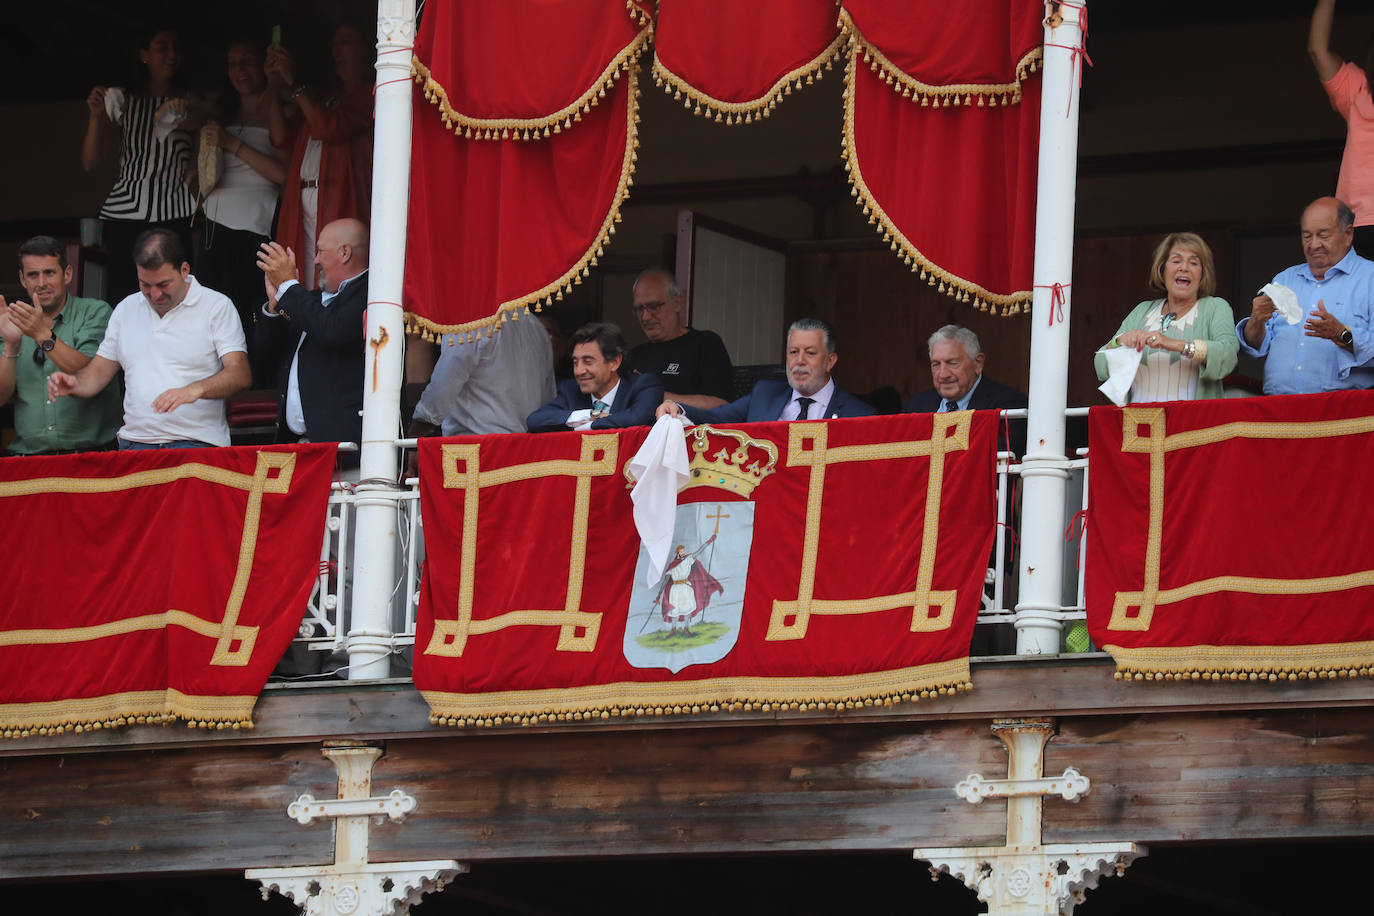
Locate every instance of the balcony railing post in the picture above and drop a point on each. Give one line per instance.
(375, 544)
(1044, 472)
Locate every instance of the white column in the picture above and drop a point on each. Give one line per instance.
(375, 545)
(1044, 472)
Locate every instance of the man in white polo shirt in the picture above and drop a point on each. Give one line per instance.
(181, 348)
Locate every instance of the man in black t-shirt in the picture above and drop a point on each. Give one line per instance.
(693, 364)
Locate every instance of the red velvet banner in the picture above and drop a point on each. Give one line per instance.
(517, 178)
(737, 60)
(146, 586)
(1192, 568)
(946, 169)
(819, 564)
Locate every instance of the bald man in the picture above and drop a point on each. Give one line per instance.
(316, 336)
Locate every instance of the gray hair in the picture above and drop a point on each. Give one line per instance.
(814, 324)
(674, 289)
(962, 336)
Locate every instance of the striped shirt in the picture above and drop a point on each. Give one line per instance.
(151, 186)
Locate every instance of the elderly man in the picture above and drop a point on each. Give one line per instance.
(693, 364)
(316, 337)
(808, 394)
(1331, 348)
(956, 369)
(598, 396)
(58, 332)
(181, 348)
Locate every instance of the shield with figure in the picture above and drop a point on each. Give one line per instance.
(691, 615)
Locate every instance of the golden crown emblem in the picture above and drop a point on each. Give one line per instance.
(725, 459)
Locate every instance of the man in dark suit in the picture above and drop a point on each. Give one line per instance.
(808, 394)
(598, 396)
(956, 368)
(316, 337)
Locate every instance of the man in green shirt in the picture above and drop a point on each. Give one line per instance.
(57, 332)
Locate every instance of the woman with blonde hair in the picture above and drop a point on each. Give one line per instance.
(1187, 336)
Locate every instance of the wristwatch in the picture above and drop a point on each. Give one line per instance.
(47, 345)
(1347, 338)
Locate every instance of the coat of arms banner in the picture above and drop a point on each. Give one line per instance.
(815, 565)
(146, 586)
(1273, 584)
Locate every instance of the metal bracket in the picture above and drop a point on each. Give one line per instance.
(395, 806)
(1071, 786)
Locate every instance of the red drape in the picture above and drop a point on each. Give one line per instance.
(524, 147)
(152, 585)
(861, 583)
(737, 60)
(1212, 554)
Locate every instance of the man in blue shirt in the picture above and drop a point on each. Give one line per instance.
(1332, 349)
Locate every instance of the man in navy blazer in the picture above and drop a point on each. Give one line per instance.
(598, 396)
(808, 394)
(956, 368)
(315, 337)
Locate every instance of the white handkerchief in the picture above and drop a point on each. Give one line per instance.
(114, 104)
(173, 114)
(1285, 300)
(1122, 363)
(660, 467)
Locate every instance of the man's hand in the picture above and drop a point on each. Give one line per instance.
(173, 398)
(29, 319)
(271, 289)
(1261, 308)
(1322, 323)
(9, 331)
(668, 409)
(59, 384)
(278, 265)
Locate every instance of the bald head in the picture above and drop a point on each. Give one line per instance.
(1328, 231)
(341, 252)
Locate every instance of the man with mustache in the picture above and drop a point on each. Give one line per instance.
(808, 394)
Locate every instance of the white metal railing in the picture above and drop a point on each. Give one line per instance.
(327, 618)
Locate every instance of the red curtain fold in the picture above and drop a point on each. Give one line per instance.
(218, 550)
(497, 226)
(739, 59)
(532, 606)
(951, 189)
(523, 64)
(1191, 570)
(951, 47)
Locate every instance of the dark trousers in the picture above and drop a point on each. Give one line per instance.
(1364, 241)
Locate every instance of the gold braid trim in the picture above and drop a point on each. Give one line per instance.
(960, 289)
(700, 103)
(1321, 661)
(675, 698)
(146, 707)
(555, 291)
(987, 94)
(471, 128)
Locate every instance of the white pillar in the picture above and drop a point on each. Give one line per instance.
(1044, 472)
(375, 545)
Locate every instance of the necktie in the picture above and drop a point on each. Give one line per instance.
(600, 408)
(951, 406)
(804, 404)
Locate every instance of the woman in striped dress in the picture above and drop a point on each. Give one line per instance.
(154, 158)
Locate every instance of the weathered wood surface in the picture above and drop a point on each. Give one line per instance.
(762, 788)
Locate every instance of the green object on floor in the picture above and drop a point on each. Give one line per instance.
(1076, 640)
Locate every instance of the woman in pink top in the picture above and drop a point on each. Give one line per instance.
(1347, 85)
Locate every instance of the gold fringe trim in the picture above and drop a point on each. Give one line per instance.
(540, 128)
(688, 698)
(956, 287)
(640, 15)
(148, 707)
(941, 96)
(699, 103)
(555, 291)
(1322, 661)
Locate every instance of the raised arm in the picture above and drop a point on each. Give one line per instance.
(1324, 59)
(97, 130)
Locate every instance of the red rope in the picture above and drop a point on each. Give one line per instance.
(1058, 299)
(1078, 525)
(1079, 52)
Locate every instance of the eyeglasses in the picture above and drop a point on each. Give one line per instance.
(643, 307)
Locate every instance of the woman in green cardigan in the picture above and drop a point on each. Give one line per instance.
(1188, 337)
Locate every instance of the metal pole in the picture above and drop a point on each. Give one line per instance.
(1045, 468)
(377, 494)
